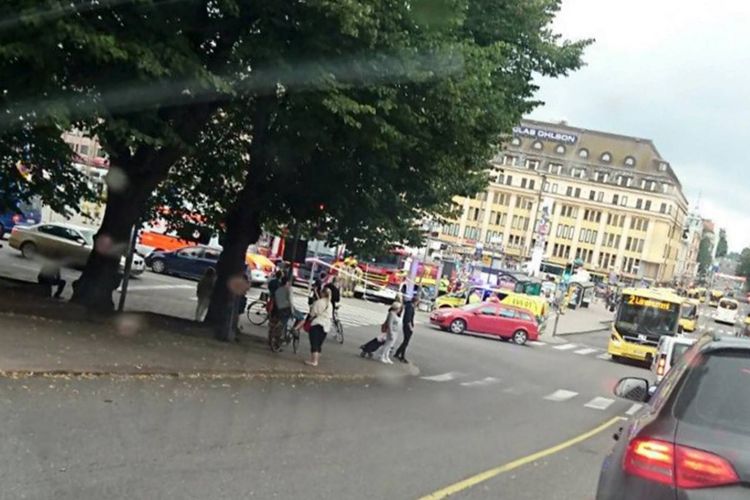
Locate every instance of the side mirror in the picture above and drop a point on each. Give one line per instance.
(632, 388)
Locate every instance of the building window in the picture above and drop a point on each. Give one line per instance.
(560, 149)
(629, 161)
(516, 141)
(592, 195)
(665, 188)
(606, 157)
(600, 196)
(532, 164)
(523, 182)
(602, 177)
(663, 208)
(569, 191)
(663, 167)
(508, 180)
(615, 199)
(510, 160)
(538, 145)
(578, 192)
(554, 188)
(624, 201)
(531, 183)
(583, 153)
(545, 187)
(647, 206)
(639, 203)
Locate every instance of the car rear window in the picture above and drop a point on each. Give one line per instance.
(717, 392)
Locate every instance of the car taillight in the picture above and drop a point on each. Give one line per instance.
(661, 365)
(701, 469)
(679, 466)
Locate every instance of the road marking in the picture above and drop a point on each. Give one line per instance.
(536, 342)
(443, 377)
(481, 383)
(565, 347)
(599, 403)
(489, 474)
(633, 408)
(159, 287)
(560, 395)
(604, 355)
(583, 352)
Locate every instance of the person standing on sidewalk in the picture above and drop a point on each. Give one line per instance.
(393, 324)
(408, 325)
(49, 275)
(320, 316)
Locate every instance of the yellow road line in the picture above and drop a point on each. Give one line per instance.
(489, 474)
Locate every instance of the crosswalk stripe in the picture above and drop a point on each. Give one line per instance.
(604, 355)
(565, 347)
(536, 342)
(443, 377)
(482, 382)
(560, 395)
(583, 352)
(633, 408)
(599, 403)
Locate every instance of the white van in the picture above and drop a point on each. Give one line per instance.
(669, 350)
(727, 311)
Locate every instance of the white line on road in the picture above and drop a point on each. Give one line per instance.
(604, 355)
(536, 342)
(599, 403)
(159, 287)
(633, 408)
(565, 347)
(586, 351)
(481, 383)
(443, 377)
(560, 395)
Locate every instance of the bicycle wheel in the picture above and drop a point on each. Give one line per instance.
(339, 332)
(295, 341)
(257, 313)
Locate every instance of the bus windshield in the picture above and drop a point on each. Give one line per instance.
(639, 315)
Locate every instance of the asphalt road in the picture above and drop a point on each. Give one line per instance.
(477, 405)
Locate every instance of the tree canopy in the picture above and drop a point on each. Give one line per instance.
(705, 258)
(721, 246)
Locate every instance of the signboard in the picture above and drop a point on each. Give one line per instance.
(546, 135)
(634, 300)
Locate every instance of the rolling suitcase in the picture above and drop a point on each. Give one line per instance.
(370, 347)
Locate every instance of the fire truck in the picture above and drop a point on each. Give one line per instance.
(385, 276)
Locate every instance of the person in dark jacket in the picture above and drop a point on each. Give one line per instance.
(50, 275)
(408, 327)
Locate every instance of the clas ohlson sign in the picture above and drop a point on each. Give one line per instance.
(545, 135)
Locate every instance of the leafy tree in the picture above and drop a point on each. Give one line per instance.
(380, 154)
(704, 256)
(721, 246)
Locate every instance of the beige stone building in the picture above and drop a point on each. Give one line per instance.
(612, 201)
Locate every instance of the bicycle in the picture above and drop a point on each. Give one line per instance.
(257, 311)
(338, 327)
(278, 339)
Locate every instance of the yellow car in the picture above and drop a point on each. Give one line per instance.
(689, 315)
(475, 294)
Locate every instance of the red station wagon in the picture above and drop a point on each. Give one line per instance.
(487, 318)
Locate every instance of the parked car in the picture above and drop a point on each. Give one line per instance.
(188, 262)
(22, 214)
(68, 244)
(691, 440)
(489, 318)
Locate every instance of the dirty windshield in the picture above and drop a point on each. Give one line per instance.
(358, 249)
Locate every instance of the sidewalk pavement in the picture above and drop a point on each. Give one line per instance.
(47, 337)
(594, 318)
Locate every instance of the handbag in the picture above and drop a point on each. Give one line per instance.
(307, 325)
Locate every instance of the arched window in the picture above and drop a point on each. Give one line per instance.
(583, 153)
(538, 145)
(516, 141)
(606, 157)
(629, 161)
(560, 149)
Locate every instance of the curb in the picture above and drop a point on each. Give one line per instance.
(259, 375)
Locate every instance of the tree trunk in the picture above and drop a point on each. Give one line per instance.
(243, 229)
(101, 276)
(243, 220)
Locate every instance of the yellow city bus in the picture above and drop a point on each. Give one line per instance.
(689, 315)
(642, 318)
(697, 293)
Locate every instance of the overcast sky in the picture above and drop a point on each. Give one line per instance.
(676, 72)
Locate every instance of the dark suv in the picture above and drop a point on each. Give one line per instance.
(691, 440)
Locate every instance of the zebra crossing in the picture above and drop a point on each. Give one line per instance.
(558, 396)
(578, 349)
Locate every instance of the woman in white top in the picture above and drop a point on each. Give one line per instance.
(320, 313)
(393, 323)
